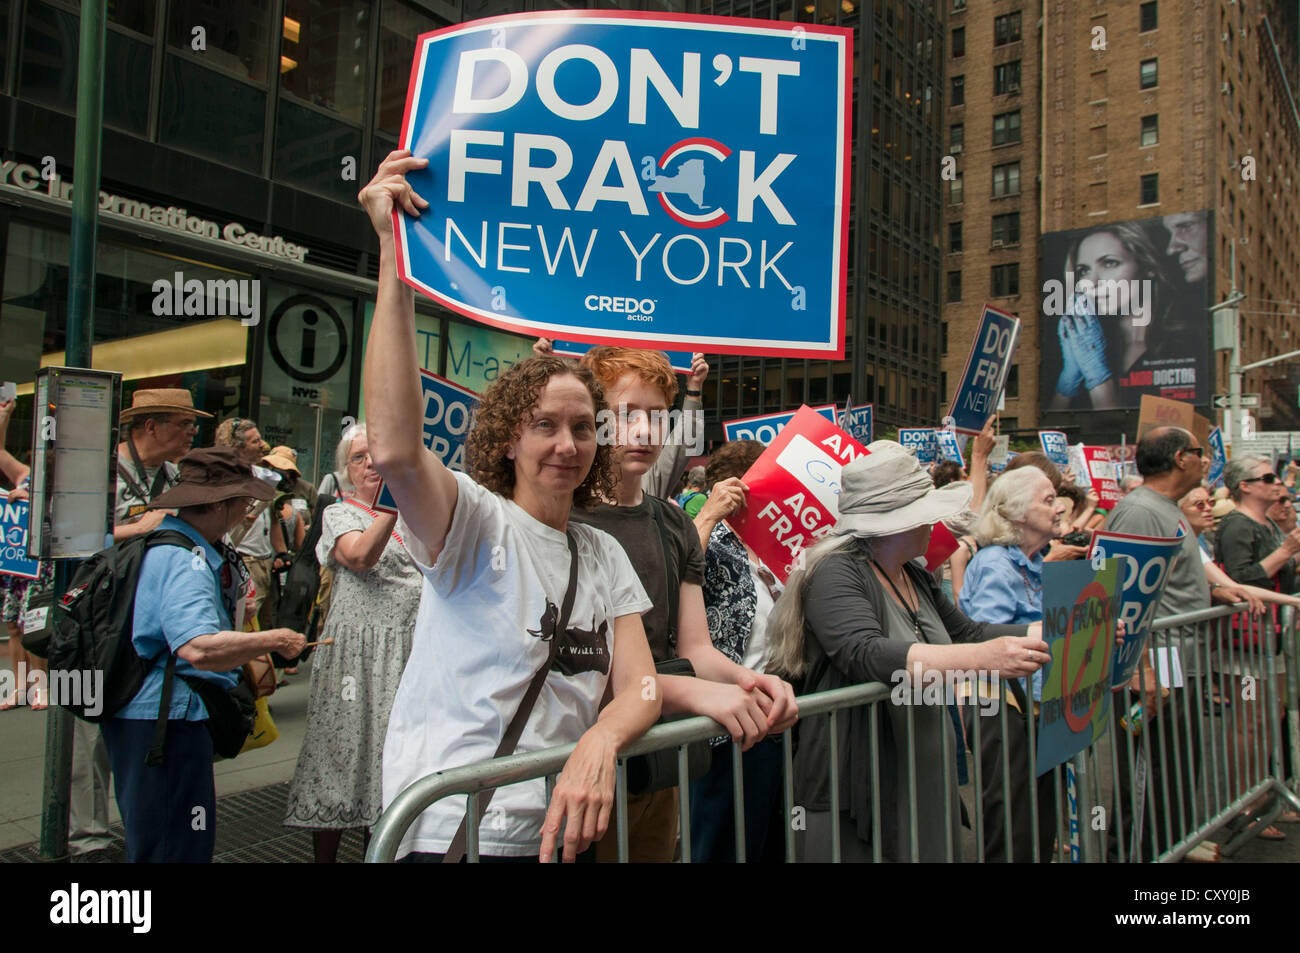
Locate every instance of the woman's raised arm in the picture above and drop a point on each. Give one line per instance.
(425, 490)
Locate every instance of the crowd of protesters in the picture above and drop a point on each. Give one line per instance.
(558, 592)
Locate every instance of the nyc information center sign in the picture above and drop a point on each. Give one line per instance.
(656, 180)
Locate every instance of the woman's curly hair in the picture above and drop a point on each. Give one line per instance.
(500, 418)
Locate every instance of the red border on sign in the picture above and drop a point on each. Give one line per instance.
(834, 350)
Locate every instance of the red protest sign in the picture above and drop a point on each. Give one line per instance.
(942, 545)
(794, 488)
(1101, 471)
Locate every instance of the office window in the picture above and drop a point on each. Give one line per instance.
(954, 236)
(1150, 130)
(1006, 29)
(399, 25)
(1006, 78)
(1006, 128)
(958, 5)
(954, 286)
(943, 337)
(1150, 189)
(1005, 280)
(1006, 179)
(1010, 424)
(958, 42)
(1148, 75)
(1006, 228)
(229, 126)
(958, 91)
(1149, 19)
(238, 33)
(323, 54)
(955, 190)
(1011, 389)
(956, 137)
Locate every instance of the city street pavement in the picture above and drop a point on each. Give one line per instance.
(252, 790)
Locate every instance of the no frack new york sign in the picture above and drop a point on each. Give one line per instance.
(641, 179)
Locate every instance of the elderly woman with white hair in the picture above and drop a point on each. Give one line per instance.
(1004, 584)
(337, 785)
(865, 610)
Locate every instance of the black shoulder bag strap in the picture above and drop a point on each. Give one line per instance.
(673, 592)
(456, 850)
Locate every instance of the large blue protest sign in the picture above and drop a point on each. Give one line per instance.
(987, 367)
(765, 428)
(1056, 446)
(1218, 459)
(448, 411)
(679, 360)
(860, 422)
(627, 178)
(1079, 614)
(1145, 563)
(13, 540)
(922, 441)
(948, 447)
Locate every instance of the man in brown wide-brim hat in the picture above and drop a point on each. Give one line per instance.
(194, 615)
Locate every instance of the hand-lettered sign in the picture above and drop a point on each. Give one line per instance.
(653, 180)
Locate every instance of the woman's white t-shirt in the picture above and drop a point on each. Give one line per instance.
(494, 591)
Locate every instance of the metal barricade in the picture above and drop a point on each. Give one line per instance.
(1162, 780)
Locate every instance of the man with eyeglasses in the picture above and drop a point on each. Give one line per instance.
(1172, 462)
(159, 428)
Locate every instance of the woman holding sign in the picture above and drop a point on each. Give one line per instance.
(527, 623)
(863, 611)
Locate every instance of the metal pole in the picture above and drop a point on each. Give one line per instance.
(80, 339)
(1231, 423)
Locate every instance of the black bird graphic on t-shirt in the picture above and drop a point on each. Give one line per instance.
(580, 650)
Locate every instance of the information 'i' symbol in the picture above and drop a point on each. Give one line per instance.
(307, 354)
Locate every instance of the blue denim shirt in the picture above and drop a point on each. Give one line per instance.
(175, 602)
(1004, 585)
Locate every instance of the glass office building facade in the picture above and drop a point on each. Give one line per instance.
(236, 137)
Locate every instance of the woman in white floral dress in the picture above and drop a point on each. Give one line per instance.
(337, 784)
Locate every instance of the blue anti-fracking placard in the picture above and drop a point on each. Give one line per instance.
(765, 428)
(947, 446)
(1145, 562)
(986, 371)
(921, 440)
(859, 422)
(1218, 459)
(679, 360)
(448, 412)
(642, 179)
(13, 540)
(1056, 445)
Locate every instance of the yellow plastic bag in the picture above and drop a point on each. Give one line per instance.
(264, 730)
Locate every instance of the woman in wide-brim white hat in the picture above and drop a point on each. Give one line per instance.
(863, 610)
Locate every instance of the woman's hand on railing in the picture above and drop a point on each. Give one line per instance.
(583, 797)
(1014, 656)
(742, 712)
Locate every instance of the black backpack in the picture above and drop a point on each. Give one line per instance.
(302, 583)
(93, 623)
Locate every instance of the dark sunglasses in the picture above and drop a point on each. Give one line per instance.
(1266, 478)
